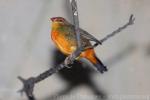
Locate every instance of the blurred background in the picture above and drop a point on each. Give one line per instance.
(26, 50)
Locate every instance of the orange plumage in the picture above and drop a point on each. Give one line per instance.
(64, 37)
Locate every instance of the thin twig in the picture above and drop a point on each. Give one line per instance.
(76, 21)
(131, 22)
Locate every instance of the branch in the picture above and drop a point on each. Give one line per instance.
(76, 20)
(130, 22)
(28, 84)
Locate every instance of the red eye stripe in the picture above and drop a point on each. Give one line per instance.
(61, 19)
(52, 19)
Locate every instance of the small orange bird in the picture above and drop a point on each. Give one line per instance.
(64, 37)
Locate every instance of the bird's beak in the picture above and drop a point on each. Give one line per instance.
(52, 19)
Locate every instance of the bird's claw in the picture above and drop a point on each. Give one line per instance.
(28, 86)
(69, 60)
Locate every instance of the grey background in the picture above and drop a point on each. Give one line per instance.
(26, 47)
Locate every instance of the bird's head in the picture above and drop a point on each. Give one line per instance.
(59, 20)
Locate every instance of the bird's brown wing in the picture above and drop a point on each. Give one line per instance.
(84, 40)
(87, 35)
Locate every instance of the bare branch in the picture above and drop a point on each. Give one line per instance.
(131, 22)
(76, 20)
(28, 84)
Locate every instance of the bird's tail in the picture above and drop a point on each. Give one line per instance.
(90, 55)
(100, 66)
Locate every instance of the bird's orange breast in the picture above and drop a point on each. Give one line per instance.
(66, 47)
(62, 43)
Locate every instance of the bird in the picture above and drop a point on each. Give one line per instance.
(64, 37)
